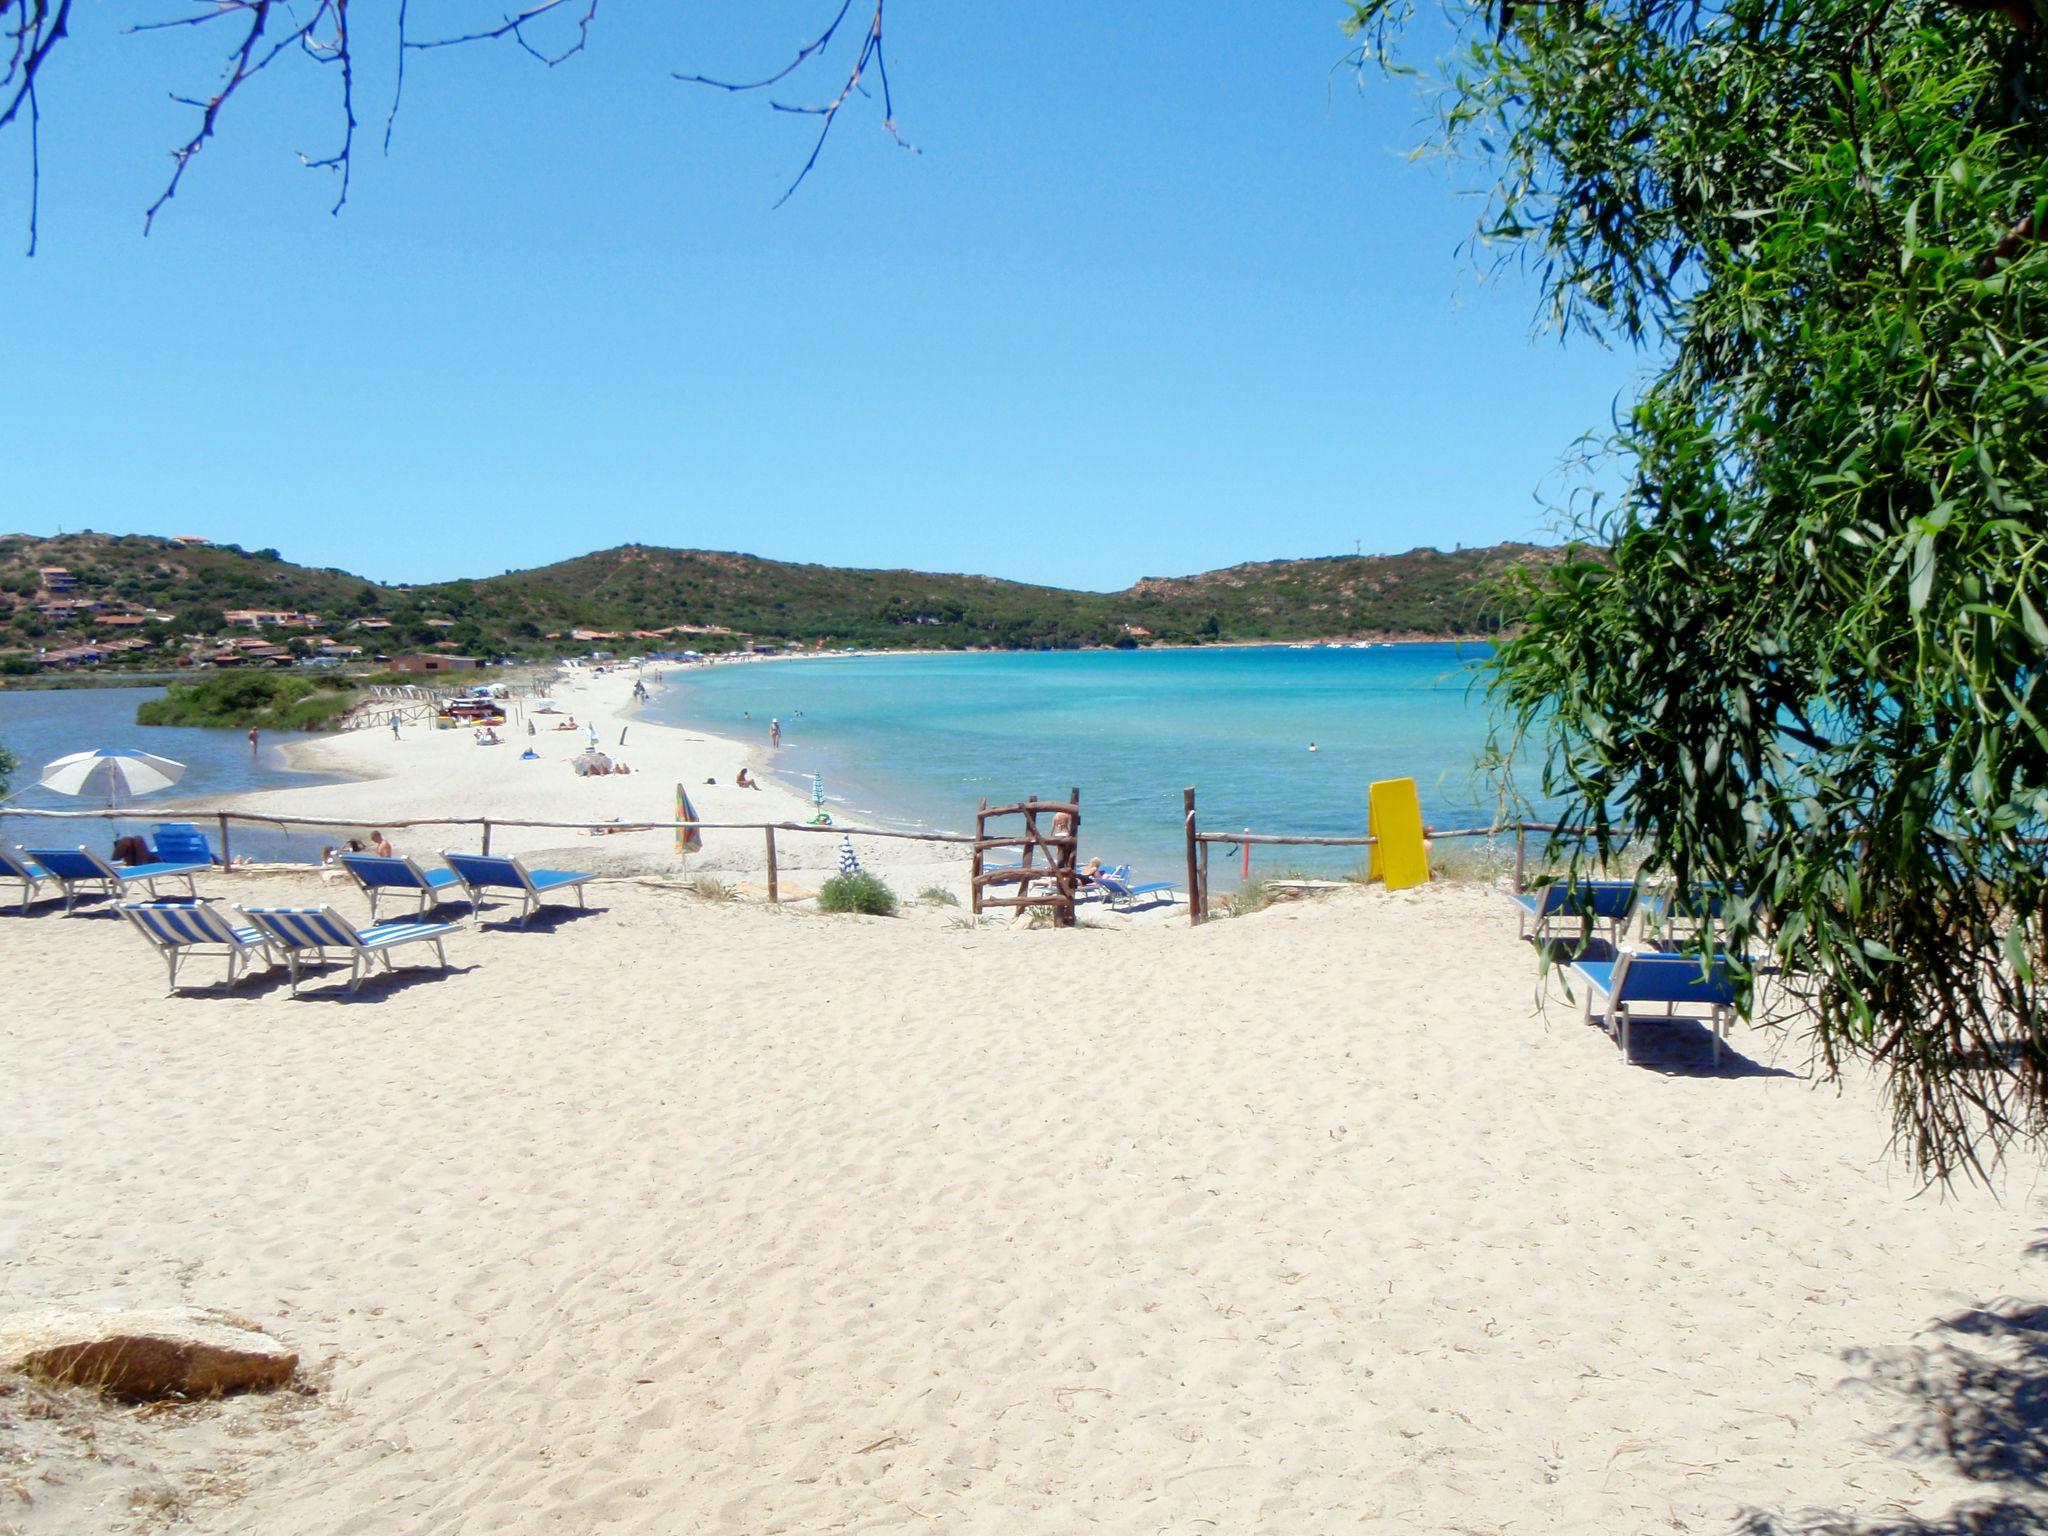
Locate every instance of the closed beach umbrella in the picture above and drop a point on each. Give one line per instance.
(112, 773)
(848, 863)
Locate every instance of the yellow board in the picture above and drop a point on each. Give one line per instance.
(1394, 817)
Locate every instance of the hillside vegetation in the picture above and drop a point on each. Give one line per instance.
(272, 701)
(157, 602)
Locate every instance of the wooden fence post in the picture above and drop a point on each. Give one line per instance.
(487, 837)
(974, 870)
(773, 894)
(1194, 887)
(1205, 876)
(225, 861)
(1521, 855)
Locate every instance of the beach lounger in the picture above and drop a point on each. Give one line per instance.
(16, 865)
(1123, 896)
(311, 931)
(182, 928)
(399, 874)
(76, 868)
(179, 842)
(1629, 981)
(480, 872)
(1612, 902)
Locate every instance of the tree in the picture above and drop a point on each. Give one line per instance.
(1802, 651)
(8, 763)
(258, 35)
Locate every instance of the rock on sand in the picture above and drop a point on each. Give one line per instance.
(178, 1351)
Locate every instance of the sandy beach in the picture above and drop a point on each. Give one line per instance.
(424, 773)
(699, 1215)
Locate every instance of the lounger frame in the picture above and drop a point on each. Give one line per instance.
(479, 872)
(181, 929)
(379, 874)
(17, 865)
(88, 868)
(1631, 980)
(303, 931)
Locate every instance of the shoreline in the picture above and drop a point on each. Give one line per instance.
(373, 779)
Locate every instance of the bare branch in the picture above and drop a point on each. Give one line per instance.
(783, 73)
(34, 31)
(514, 28)
(870, 50)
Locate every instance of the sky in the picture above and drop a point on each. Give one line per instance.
(1157, 292)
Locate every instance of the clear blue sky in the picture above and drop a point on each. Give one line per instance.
(1162, 292)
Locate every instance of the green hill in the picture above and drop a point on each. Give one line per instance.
(144, 600)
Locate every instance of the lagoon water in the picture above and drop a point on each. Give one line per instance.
(40, 725)
(919, 740)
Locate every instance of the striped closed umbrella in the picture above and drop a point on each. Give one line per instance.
(849, 863)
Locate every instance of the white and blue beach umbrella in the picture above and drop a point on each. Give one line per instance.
(848, 863)
(112, 773)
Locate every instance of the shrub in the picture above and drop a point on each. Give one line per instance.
(863, 893)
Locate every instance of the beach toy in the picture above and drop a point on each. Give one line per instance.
(1394, 816)
(849, 862)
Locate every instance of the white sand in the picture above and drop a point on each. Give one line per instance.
(443, 773)
(702, 1217)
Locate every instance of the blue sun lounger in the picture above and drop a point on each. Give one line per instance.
(311, 931)
(16, 865)
(479, 872)
(182, 928)
(1611, 902)
(377, 875)
(1123, 896)
(182, 843)
(1628, 981)
(74, 868)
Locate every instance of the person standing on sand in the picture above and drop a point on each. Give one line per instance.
(394, 725)
(775, 733)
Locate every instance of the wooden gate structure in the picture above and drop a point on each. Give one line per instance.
(1057, 838)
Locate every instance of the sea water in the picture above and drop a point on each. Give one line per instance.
(1277, 739)
(41, 725)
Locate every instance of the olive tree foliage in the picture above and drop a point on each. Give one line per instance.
(1800, 652)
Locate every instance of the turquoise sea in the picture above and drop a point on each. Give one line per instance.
(920, 740)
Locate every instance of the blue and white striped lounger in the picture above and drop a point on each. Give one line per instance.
(480, 872)
(303, 931)
(181, 928)
(1628, 981)
(75, 867)
(399, 874)
(16, 865)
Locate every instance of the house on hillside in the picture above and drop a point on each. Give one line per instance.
(56, 579)
(371, 624)
(427, 661)
(271, 618)
(190, 540)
